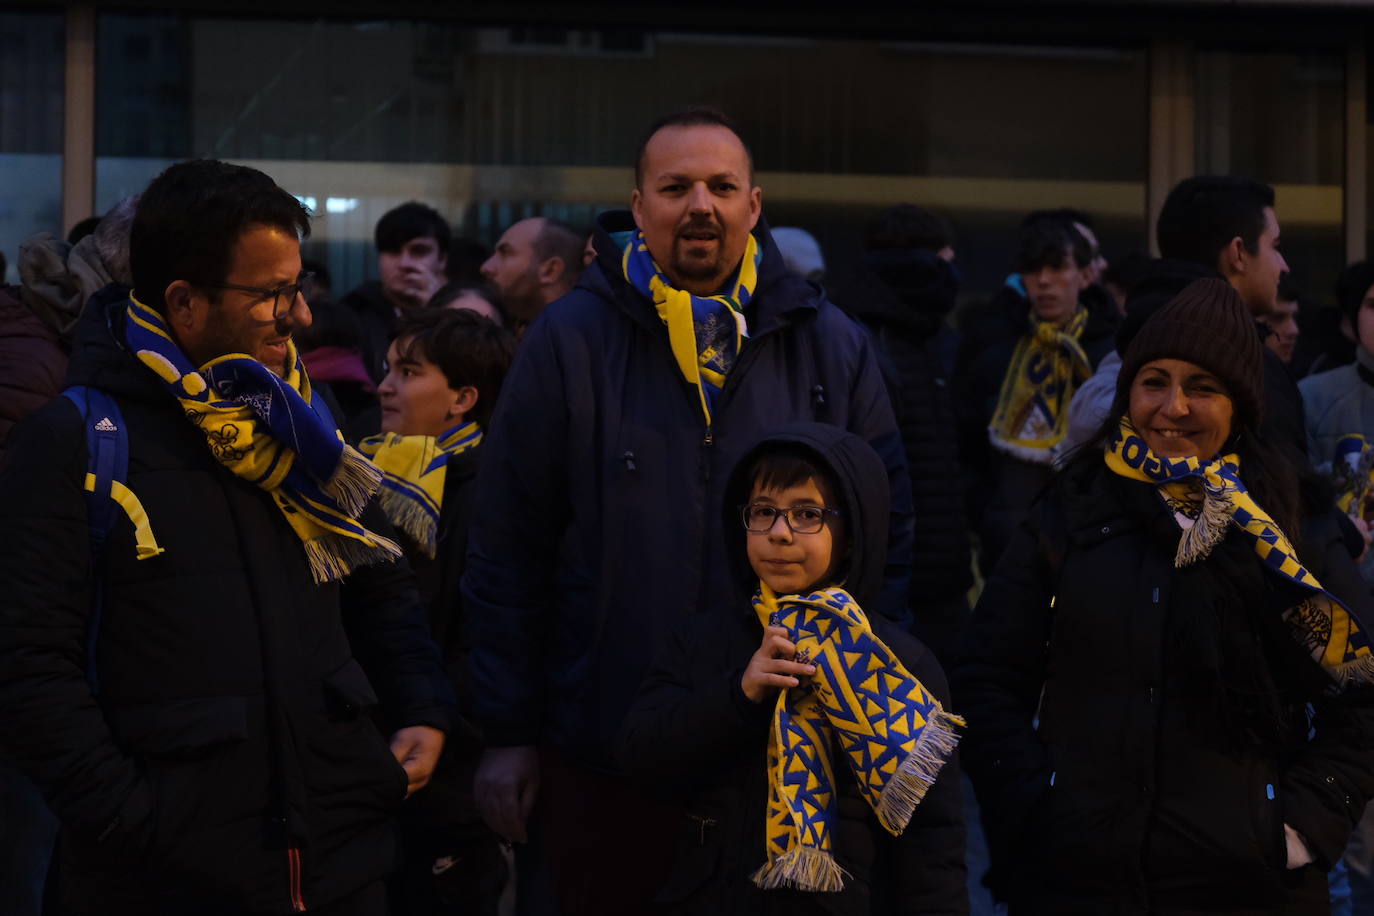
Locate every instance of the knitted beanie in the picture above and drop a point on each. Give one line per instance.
(1208, 325)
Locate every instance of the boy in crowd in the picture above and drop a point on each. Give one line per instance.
(445, 369)
(805, 683)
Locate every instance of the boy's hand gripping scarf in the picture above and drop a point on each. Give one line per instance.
(270, 432)
(894, 735)
(705, 333)
(413, 472)
(1319, 623)
(1046, 368)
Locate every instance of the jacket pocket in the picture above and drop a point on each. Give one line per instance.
(180, 729)
(348, 694)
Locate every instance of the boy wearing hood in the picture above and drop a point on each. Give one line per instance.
(805, 744)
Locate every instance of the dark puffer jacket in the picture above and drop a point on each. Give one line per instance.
(33, 360)
(1144, 790)
(693, 736)
(903, 296)
(596, 501)
(229, 758)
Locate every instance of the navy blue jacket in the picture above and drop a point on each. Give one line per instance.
(595, 525)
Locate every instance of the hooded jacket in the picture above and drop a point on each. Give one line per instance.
(1109, 696)
(903, 296)
(694, 737)
(595, 520)
(229, 755)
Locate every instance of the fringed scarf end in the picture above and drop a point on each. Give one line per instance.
(408, 515)
(918, 771)
(354, 481)
(1358, 671)
(804, 867)
(1207, 532)
(1028, 453)
(332, 556)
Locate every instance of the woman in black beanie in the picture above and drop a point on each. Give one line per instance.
(1168, 697)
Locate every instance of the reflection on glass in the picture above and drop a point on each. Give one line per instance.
(31, 81)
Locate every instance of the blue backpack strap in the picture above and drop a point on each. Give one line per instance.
(107, 449)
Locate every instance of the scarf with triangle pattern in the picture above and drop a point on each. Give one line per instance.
(1207, 498)
(704, 332)
(891, 732)
(273, 433)
(414, 469)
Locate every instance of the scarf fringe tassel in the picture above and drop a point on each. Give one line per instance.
(804, 867)
(406, 514)
(1359, 671)
(354, 481)
(1024, 452)
(1207, 532)
(917, 772)
(333, 556)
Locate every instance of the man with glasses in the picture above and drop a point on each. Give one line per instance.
(180, 683)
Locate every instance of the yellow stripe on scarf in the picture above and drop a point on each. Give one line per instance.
(1032, 413)
(414, 471)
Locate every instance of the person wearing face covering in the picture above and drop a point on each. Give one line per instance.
(1166, 681)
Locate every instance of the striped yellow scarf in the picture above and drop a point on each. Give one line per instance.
(1207, 498)
(414, 469)
(894, 735)
(704, 332)
(273, 433)
(1032, 413)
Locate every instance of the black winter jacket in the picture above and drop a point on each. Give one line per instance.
(596, 501)
(1135, 794)
(376, 318)
(229, 756)
(696, 738)
(903, 296)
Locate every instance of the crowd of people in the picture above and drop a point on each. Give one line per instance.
(630, 570)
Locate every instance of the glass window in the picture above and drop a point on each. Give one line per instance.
(32, 56)
(1279, 117)
(495, 124)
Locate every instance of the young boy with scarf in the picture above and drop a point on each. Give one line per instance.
(444, 371)
(805, 743)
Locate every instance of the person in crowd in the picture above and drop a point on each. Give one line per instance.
(902, 290)
(465, 259)
(628, 402)
(800, 252)
(536, 261)
(1085, 226)
(1121, 277)
(1166, 683)
(317, 283)
(1283, 321)
(412, 253)
(473, 299)
(180, 684)
(445, 370)
(1210, 226)
(1038, 340)
(800, 680)
(331, 351)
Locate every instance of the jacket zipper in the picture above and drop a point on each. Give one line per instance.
(293, 862)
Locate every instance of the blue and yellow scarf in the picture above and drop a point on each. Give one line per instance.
(895, 736)
(414, 469)
(1032, 413)
(1207, 498)
(705, 333)
(1352, 474)
(272, 433)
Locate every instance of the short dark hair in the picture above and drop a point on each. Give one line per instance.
(556, 239)
(907, 226)
(1048, 242)
(470, 349)
(787, 464)
(1351, 286)
(691, 116)
(191, 216)
(412, 220)
(1203, 213)
(82, 229)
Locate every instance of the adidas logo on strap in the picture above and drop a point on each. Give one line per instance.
(105, 426)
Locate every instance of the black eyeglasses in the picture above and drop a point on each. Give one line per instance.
(761, 517)
(283, 297)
